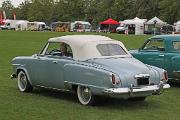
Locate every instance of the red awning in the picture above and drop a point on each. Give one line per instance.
(110, 21)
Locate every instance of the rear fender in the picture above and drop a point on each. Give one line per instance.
(94, 78)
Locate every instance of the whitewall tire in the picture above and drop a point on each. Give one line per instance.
(85, 96)
(23, 82)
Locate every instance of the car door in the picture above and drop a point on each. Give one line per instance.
(50, 66)
(47, 70)
(56, 71)
(153, 53)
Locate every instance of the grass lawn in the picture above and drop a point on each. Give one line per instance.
(44, 104)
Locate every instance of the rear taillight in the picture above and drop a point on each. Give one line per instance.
(115, 80)
(165, 77)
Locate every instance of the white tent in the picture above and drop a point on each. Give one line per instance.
(177, 26)
(21, 25)
(154, 24)
(139, 24)
(155, 20)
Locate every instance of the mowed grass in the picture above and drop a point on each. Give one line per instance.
(43, 104)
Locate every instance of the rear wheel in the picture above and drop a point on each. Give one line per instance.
(85, 95)
(23, 82)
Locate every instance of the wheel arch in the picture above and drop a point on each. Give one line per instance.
(25, 71)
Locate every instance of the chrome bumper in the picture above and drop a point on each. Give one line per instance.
(155, 89)
(13, 76)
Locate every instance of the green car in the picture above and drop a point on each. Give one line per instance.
(162, 51)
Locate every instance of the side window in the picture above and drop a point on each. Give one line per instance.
(59, 49)
(176, 46)
(154, 45)
(52, 48)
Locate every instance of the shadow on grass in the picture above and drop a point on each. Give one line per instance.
(102, 102)
(56, 94)
(175, 84)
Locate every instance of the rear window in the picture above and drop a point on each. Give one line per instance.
(110, 49)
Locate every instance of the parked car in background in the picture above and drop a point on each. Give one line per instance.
(90, 65)
(162, 51)
(9, 24)
(121, 29)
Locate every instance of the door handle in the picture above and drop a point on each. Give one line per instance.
(55, 62)
(161, 55)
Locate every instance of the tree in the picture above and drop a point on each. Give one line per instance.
(22, 10)
(93, 11)
(41, 10)
(147, 8)
(169, 10)
(8, 8)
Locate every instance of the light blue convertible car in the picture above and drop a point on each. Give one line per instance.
(90, 65)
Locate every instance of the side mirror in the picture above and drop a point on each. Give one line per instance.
(36, 56)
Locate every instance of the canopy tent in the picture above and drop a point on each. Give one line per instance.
(177, 26)
(135, 26)
(136, 20)
(155, 20)
(109, 25)
(109, 21)
(154, 25)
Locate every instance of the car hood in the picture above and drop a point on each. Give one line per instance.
(126, 68)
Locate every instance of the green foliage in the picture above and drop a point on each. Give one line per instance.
(41, 10)
(22, 10)
(147, 8)
(8, 8)
(170, 10)
(94, 11)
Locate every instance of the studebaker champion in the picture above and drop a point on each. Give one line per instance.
(90, 65)
(162, 51)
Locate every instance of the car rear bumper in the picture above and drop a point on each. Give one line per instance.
(155, 89)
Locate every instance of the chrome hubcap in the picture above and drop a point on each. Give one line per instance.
(23, 81)
(86, 94)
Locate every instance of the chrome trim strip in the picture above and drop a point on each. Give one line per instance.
(141, 76)
(52, 88)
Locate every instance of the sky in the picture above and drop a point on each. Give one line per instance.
(14, 2)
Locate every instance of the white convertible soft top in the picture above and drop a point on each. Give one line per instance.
(84, 46)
